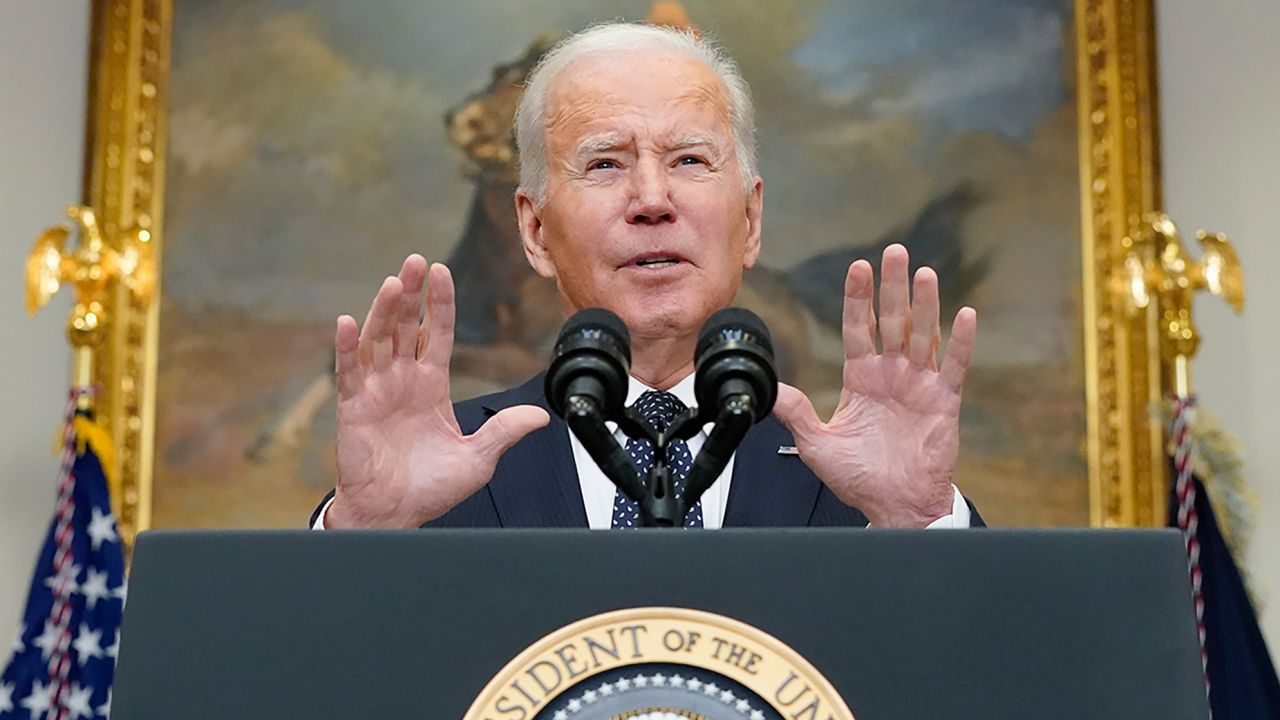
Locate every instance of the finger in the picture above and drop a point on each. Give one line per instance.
(437, 346)
(960, 348)
(507, 428)
(859, 316)
(413, 275)
(795, 410)
(895, 293)
(346, 341)
(377, 337)
(925, 333)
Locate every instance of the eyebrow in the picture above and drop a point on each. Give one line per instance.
(693, 141)
(614, 143)
(599, 144)
(706, 143)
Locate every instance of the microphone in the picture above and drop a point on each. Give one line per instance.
(590, 362)
(735, 386)
(587, 385)
(734, 362)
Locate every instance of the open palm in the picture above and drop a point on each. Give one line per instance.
(891, 446)
(402, 459)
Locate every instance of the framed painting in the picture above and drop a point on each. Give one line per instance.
(282, 156)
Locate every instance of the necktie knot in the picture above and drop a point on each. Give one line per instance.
(659, 407)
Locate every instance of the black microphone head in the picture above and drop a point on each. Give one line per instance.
(592, 357)
(596, 320)
(731, 323)
(735, 354)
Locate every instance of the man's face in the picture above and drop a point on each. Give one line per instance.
(646, 213)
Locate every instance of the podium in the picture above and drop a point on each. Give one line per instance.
(424, 624)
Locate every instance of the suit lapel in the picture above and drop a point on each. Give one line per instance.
(536, 481)
(769, 488)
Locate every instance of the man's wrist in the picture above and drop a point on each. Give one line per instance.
(960, 516)
(955, 514)
(336, 517)
(906, 518)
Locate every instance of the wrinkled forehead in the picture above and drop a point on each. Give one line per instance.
(667, 92)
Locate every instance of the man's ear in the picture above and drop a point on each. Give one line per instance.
(529, 217)
(755, 215)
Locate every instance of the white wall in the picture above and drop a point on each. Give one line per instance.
(1220, 89)
(1219, 78)
(43, 63)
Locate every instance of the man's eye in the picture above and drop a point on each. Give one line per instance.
(602, 165)
(692, 160)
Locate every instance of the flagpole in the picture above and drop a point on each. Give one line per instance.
(1160, 265)
(94, 269)
(60, 668)
(82, 366)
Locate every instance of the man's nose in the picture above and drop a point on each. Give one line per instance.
(650, 196)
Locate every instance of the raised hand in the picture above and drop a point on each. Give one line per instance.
(402, 459)
(890, 448)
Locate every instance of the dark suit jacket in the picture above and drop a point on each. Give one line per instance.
(536, 481)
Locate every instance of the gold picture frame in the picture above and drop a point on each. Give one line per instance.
(1118, 152)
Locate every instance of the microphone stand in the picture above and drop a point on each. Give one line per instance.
(734, 419)
(584, 419)
(655, 494)
(659, 507)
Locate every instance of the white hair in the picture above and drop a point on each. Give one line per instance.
(531, 114)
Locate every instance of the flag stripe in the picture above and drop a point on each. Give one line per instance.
(65, 511)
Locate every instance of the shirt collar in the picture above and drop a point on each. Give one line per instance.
(682, 390)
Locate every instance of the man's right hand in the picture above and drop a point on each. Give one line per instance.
(402, 459)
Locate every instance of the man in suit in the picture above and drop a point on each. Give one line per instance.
(639, 193)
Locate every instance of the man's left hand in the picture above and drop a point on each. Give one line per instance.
(890, 448)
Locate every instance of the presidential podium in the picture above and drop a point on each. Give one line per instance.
(730, 624)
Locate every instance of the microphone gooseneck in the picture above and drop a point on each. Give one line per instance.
(735, 386)
(587, 385)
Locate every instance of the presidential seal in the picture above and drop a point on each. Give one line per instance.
(659, 663)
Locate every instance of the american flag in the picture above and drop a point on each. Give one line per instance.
(64, 655)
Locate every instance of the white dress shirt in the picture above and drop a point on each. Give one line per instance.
(598, 491)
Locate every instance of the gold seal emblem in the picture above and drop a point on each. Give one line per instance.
(659, 663)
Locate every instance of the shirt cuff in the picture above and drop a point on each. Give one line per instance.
(319, 523)
(959, 517)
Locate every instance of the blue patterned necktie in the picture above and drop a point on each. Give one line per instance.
(659, 408)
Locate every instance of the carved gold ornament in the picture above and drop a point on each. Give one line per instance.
(91, 269)
(1160, 265)
(95, 269)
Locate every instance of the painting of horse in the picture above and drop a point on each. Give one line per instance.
(314, 143)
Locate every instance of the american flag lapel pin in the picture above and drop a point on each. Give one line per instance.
(788, 450)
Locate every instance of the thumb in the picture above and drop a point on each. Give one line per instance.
(795, 410)
(507, 428)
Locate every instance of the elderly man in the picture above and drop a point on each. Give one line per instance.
(639, 194)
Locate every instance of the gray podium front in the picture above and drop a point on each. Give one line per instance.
(903, 624)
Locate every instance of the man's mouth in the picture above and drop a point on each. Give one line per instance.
(656, 261)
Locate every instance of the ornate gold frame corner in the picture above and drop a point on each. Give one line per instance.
(125, 176)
